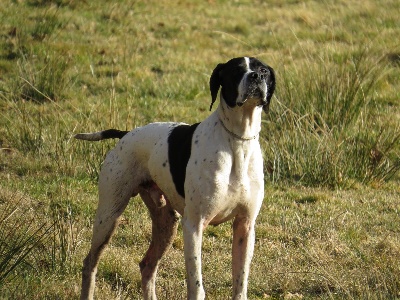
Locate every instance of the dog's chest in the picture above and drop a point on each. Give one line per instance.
(223, 174)
(240, 167)
(226, 184)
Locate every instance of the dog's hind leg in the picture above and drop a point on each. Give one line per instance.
(164, 228)
(115, 191)
(103, 228)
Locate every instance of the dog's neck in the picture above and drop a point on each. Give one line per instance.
(243, 123)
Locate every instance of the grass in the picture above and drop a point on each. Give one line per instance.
(317, 149)
(328, 228)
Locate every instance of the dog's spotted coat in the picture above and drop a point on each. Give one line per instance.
(208, 173)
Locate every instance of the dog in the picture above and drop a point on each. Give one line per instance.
(207, 173)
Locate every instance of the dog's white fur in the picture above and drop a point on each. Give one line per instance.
(224, 180)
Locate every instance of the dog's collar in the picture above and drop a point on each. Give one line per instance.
(242, 138)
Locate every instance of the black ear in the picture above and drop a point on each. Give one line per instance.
(215, 83)
(270, 87)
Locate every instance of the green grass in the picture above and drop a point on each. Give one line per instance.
(329, 225)
(329, 139)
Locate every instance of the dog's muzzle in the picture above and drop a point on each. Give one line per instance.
(255, 88)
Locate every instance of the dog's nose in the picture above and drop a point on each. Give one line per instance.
(257, 75)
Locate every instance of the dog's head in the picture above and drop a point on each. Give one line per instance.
(242, 79)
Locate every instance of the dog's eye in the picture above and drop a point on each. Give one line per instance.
(263, 70)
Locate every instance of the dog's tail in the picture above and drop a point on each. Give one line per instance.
(101, 135)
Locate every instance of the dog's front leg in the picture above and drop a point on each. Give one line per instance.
(242, 253)
(192, 238)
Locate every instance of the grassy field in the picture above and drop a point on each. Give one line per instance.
(329, 227)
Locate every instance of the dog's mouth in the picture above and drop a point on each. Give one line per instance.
(255, 91)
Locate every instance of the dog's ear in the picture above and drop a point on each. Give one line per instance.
(270, 88)
(215, 83)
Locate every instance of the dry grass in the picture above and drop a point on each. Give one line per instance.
(329, 226)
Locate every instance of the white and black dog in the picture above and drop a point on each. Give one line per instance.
(208, 173)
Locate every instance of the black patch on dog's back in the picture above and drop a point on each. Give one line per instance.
(179, 149)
